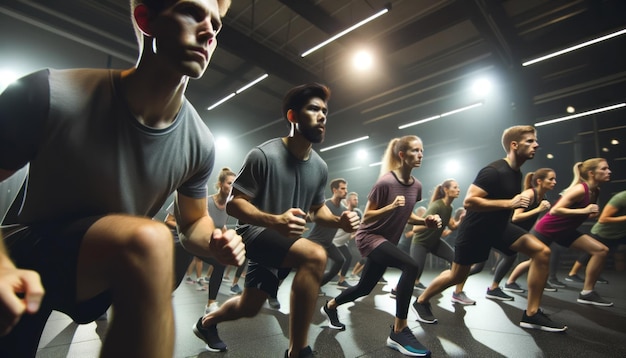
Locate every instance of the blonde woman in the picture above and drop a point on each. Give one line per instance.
(577, 204)
(389, 207)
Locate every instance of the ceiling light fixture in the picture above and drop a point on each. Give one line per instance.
(233, 94)
(575, 47)
(345, 143)
(581, 114)
(350, 29)
(440, 115)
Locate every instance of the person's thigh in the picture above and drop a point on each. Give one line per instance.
(53, 251)
(103, 258)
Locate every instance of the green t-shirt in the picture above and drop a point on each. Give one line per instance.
(615, 230)
(430, 237)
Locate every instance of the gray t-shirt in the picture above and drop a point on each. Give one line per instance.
(88, 153)
(218, 215)
(324, 235)
(277, 181)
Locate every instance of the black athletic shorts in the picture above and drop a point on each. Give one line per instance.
(52, 251)
(266, 252)
(473, 245)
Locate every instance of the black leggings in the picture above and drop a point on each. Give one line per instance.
(345, 251)
(385, 255)
(337, 261)
(215, 281)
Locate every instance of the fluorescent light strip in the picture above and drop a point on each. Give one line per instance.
(251, 83)
(238, 91)
(222, 100)
(440, 115)
(582, 114)
(344, 143)
(575, 47)
(376, 164)
(462, 109)
(352, 28)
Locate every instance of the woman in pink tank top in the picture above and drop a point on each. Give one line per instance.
(577, 204)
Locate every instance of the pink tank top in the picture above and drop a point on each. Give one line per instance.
(551, 225)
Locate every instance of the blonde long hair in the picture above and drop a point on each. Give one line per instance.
(581, 171)
(391, 158)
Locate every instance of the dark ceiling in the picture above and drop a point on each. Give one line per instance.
(427, 55)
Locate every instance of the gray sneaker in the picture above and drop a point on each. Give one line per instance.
(462, 298)
(235, 290)
(554, 282)
(593, 298)
(513, 287)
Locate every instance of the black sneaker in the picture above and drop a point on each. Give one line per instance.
(209, 336)
(406, 343)
(554, 282)
(343, 285)
(497, 294)
(549, 288)
(574, 278)
(305, 352)
(333, 319)
(273, 302)
(423, 312)
(593, 298)
(602, 280)
(393, 293)
(513, 287)
(420, 287)
(542, 322)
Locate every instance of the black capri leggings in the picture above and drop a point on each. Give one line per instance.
(385, 255)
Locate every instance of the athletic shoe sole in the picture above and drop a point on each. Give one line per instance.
(419, 318)
(499, 298)
(602, 304)
(542, 328)
(461, 302)
(516, 290)
(395, 345)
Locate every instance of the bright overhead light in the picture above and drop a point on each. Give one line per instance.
(575, 47)
(222, 100)
(570, 109)
(342, 33)
(481, 87)
(238, 91)
(582, 114)
(376, 164)
(614, 141)
(440, 115)
(362, 60)
(251, 84)
(345, 143)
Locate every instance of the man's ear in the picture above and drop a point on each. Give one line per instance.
(291, 116)
(142, 18)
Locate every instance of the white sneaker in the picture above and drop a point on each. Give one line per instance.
(211, 308)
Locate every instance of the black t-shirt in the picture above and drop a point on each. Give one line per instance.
(500, 181)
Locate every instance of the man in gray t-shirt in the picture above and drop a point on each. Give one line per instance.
(324, 235)
(105, 149)
(281, 182)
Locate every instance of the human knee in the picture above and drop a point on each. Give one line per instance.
(601, 251)
(316, 257)
(150, 240)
